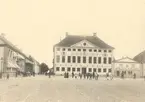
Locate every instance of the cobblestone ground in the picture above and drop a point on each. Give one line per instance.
(58, 89)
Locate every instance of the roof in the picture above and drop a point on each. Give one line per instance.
(73, 39)
(10, 45)
(140, 57)
(125, 60)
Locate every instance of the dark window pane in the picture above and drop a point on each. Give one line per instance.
(84, 59)
(74, 59)
(99, 69)
(104, 70)
(63, 69)
(90, 59)
(63, 59)
(73, 69)
(99, 60)
(69, 59)
(105, 60)
(78, 69)
(79, 59)
(90, 69)
(57, 68)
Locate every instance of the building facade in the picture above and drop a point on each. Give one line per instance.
(141, 59)
(127, 66)
(12, 60)
(82, 54)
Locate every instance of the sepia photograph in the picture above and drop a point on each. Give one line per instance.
(72, 50)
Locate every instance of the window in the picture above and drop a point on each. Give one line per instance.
(105, 60)
(78, 69)
(90, 59)
(69, 59)
(110, 60)
(99, 51)
(104, 70)
(99, 69)
(57, 68)
(99, 60)
(74, 49)
(84, 44)
(63, 49)
(94, 70)
(63, 59)
(84, 49)
(79, 49)
(110, 70)
(84, 59)
(105, 50)
(90, 69)
(110, 50)
(58, 49)
(95, 50)
(68, 69)
(57, 58)
(79, 59)
(69, 49)
(90, 50)
(95, 59)
(63, 69)
(73, 69)
(74, 59)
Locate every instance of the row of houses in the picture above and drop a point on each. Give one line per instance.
(13, 60)
(88, 54)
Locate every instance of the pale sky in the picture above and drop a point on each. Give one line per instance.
(36, 25)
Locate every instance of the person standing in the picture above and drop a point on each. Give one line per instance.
(8, 76)
(93, 75)
(72, 74)
(134, 76)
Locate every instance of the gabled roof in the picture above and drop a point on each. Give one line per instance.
(140, 57)
(10, 45)
(73, 39)
(125, 60)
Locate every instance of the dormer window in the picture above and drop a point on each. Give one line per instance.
(63, 49)
(84, 44)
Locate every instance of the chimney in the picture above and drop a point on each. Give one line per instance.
(2, 35)
(66, 34)
(95, 34)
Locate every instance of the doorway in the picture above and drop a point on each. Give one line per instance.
(83, 70)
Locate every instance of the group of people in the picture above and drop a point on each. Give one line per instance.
(87, 76)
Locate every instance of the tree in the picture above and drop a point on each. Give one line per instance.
(43, 67)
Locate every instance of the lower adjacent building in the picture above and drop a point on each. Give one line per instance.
(127, 66)
(141, 59)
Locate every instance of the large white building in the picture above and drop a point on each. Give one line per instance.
(83, 54)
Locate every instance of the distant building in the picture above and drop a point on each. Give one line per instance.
(141, 59)
(36, 65)
(82, 54)
(128, 66)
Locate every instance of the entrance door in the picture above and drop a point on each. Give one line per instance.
(118, 73)
(83, 70)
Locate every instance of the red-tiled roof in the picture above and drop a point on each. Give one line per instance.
(140, 57)
(73, 39)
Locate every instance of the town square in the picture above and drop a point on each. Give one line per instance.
(58, 89)
(72, 51)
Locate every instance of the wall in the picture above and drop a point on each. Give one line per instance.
(81, 54)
